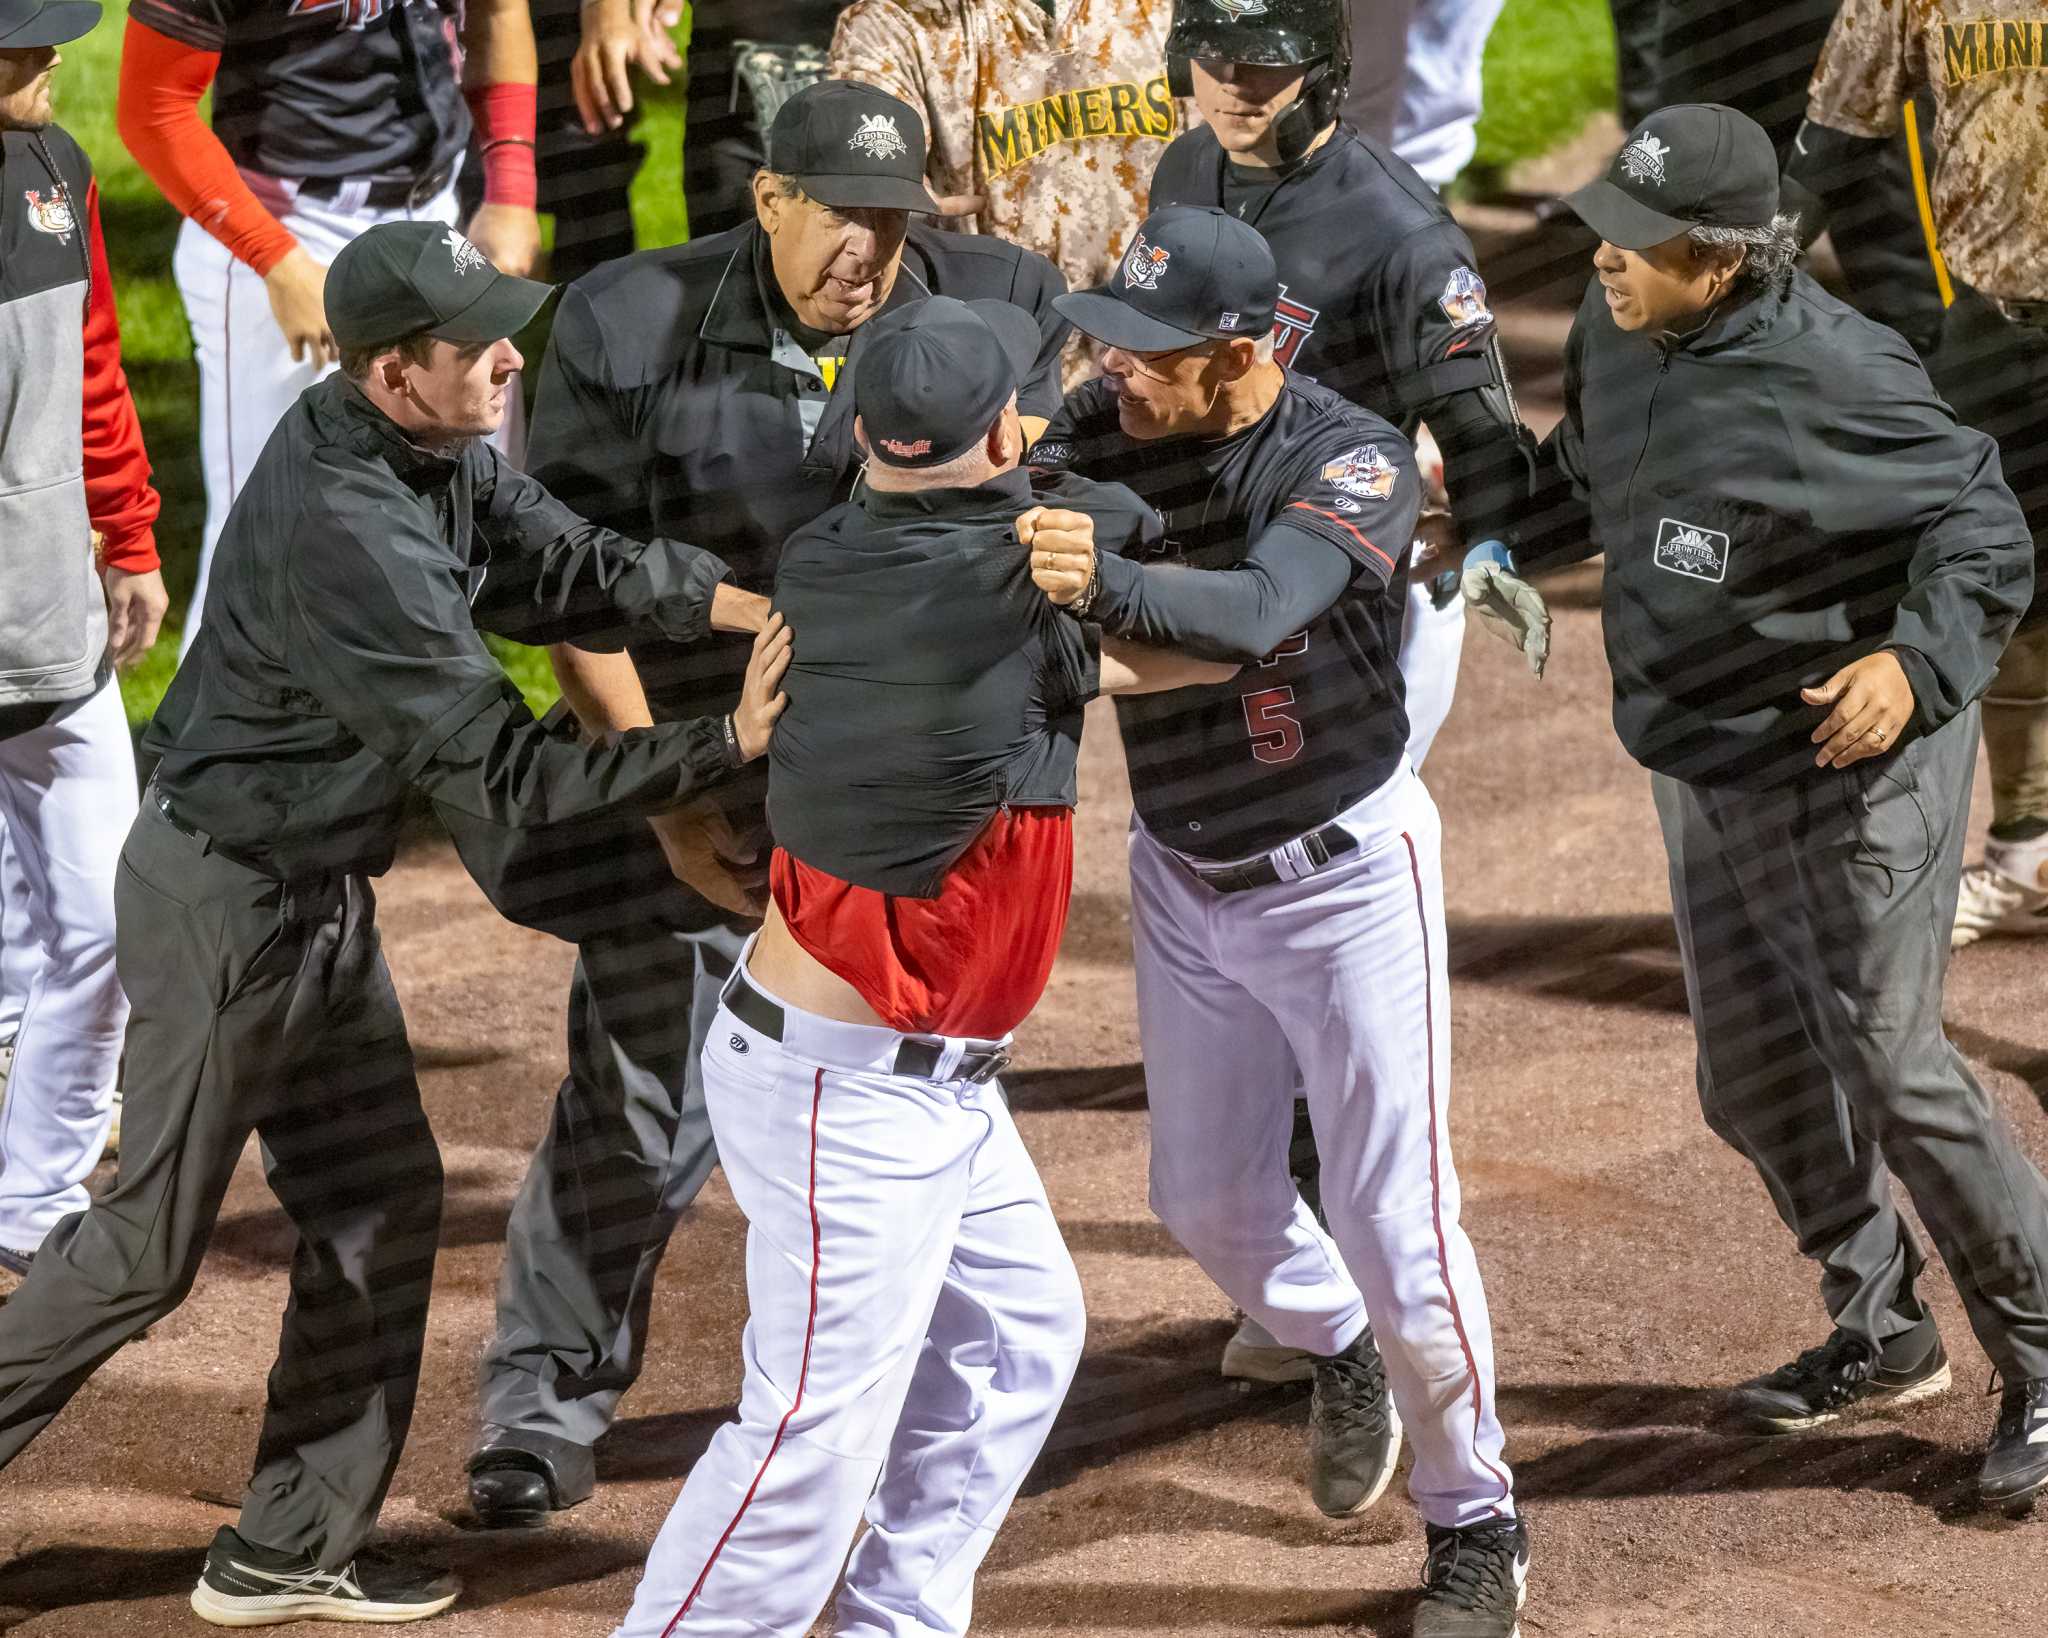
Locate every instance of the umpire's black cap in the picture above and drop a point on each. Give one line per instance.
(402, 279)
(1194, 273)
(1693, 164)
(26, 24)
(931, 384)
(852, 147)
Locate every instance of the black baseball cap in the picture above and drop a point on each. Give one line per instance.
(1194, 273)
(931, 384)
(1695, 164)
(402, 279)
(852, 147)
(26, 24)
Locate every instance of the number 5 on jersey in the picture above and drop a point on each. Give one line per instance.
(1276, 737)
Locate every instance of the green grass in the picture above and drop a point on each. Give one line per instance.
(1548, 65)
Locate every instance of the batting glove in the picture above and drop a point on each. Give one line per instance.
(1508, 603)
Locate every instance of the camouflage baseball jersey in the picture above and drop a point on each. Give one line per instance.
(1055, 124)
(1985, 64)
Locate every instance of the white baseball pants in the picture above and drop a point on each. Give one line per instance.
(247, 376)
(67, 798)
(18, 959)
(1435, 126)
(914, 1320)
(1340, 977)
(1432, 640)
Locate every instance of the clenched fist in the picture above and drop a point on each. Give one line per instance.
(1062, 547)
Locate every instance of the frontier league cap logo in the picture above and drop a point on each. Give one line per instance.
(878, 138)
(466, 256)
(1241, 8)
(1644, 158)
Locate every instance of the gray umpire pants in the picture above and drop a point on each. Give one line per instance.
(627, 1150)
(1813, 921)
(258, 1006)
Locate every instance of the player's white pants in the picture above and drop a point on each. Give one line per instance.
(67, 797)
(1434, 127)
(914, 1319)
(17, 949)
(1432, 639)
(247, 377)
(1342, 975)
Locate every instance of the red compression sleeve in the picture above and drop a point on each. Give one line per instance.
(157, 109)
(505, 117)
(118, 496)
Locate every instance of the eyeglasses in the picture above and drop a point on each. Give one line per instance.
(1140, 360)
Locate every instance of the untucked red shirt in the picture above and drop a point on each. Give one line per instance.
(971, 962)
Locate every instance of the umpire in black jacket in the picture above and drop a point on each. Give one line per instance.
(1811, 572)
(341, 661)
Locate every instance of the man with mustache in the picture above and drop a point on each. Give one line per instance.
(694, 386)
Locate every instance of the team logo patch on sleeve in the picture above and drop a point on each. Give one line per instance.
(1688, 549)
(877, 137)
(466, 256)
(1044, 454)
(1464, 299)
(1643, 159)
(1145, 266)
(1363, 472)
(52, 215)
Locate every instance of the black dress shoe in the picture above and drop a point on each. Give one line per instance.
(517, 1477)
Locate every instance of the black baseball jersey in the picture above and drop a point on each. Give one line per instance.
(1237, 768)
(329, 88)
(1380, 299)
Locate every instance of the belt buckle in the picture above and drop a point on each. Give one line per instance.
(989, 1068)
(425, 188)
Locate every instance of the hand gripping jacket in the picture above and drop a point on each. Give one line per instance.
(1277, 33)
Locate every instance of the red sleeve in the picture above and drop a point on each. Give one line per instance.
(118, 495)
(505, 116)
(162, 81)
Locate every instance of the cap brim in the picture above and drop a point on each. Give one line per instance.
(870, 193)
(505, 308)
(1101, 317)
(58, 23)
(1620, 218)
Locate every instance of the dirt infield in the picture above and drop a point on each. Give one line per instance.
(1633, 1265)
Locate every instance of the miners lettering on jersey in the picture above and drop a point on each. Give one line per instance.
(1013, 136)
(1972, 49)
(1293, 321)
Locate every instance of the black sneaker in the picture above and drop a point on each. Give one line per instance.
(1354, 1432)
(1845, 1374)
(1474, 1582)
(2016, 1466)
(244, 1585)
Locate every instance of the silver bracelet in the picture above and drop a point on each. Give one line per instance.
(1081, 605)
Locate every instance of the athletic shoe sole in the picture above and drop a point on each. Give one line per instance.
(272, 1610)
(1249, 1362)
(1876, 1405)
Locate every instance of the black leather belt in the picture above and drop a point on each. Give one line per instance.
(392, 193)
(916, 1059)
(1321, 846)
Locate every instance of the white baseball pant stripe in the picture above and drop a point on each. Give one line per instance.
(247, 376)
(67, 798)
(1341, 977)
(914, 1323)
(1432, 640)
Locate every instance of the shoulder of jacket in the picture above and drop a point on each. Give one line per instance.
(646, 308)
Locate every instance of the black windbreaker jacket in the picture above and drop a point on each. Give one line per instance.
(1778, 493)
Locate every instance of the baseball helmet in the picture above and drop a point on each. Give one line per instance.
(1275, 33)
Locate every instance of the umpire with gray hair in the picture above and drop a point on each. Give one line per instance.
(1811, 572)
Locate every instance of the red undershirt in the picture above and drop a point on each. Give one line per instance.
(971, 962)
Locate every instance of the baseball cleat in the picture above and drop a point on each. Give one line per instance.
(1475, 1581)
(1354, 1432)
(2016, 1465)
(1253, 1354)
(244, 1585)
(1844, 1376)
(1991, 904)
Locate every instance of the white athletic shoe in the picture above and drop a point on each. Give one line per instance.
(1991, 903)
(1254, 1354)
(249, 1586)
